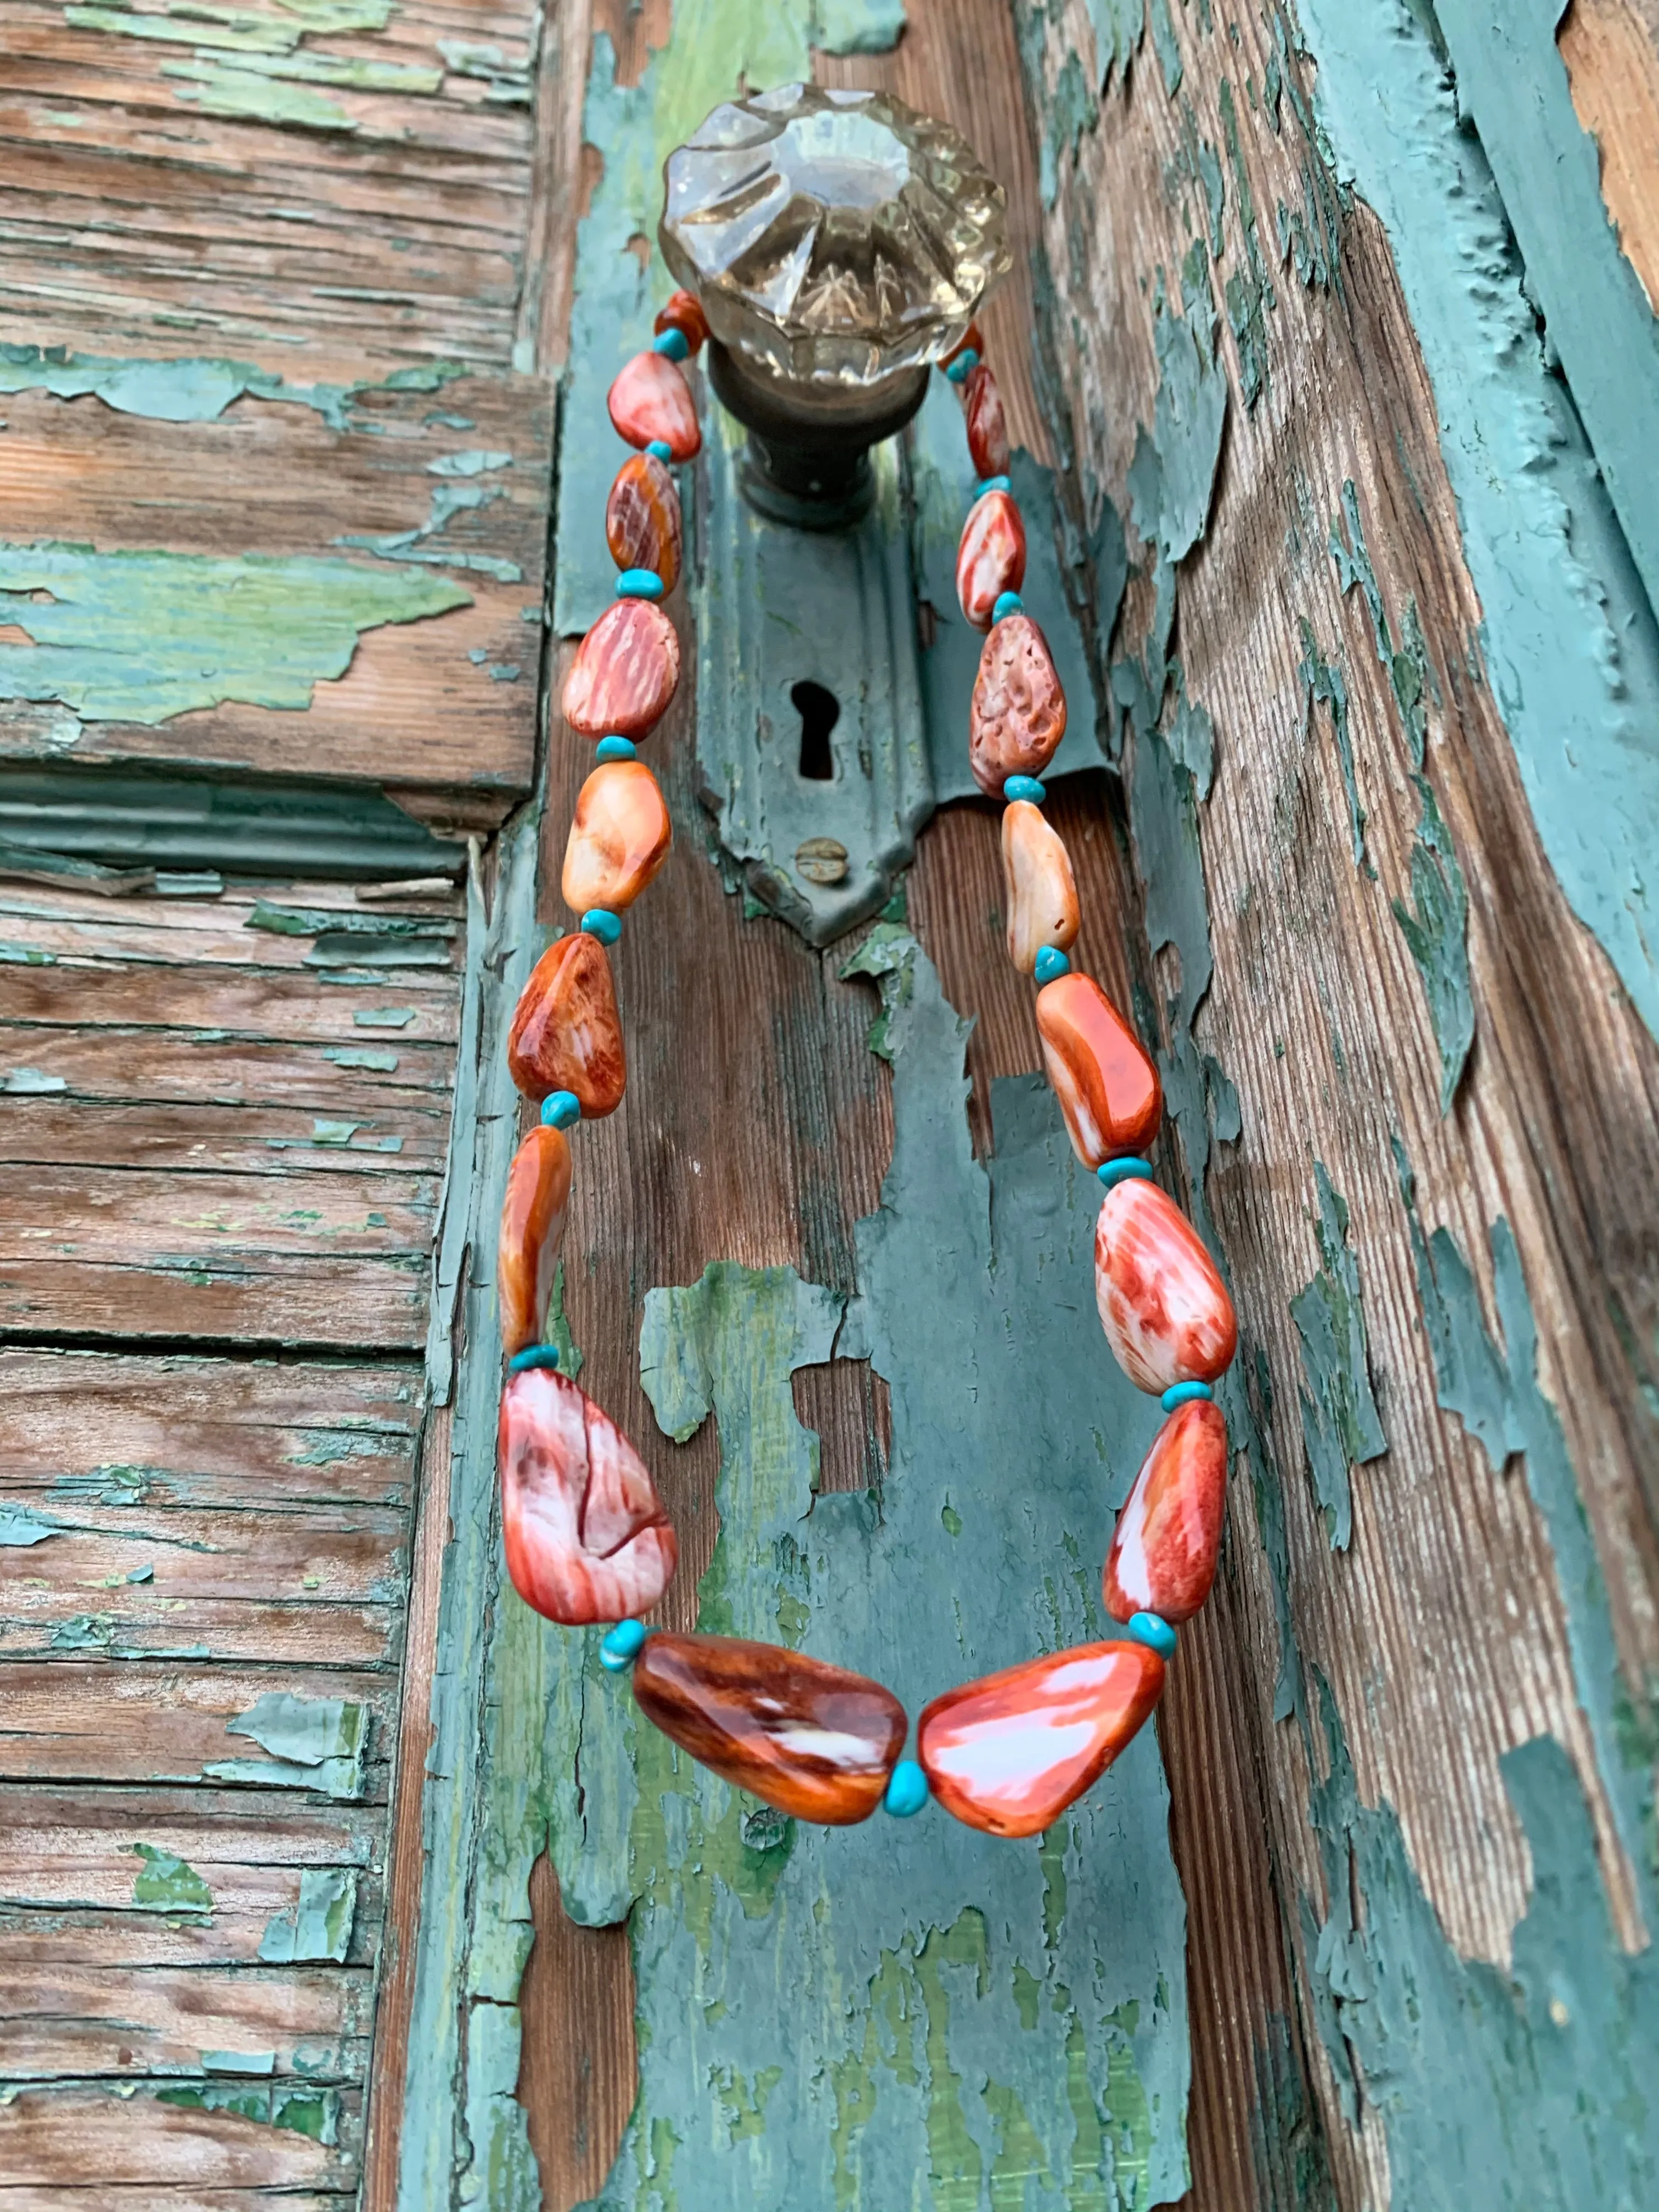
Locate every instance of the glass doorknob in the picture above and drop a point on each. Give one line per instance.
(839, 244)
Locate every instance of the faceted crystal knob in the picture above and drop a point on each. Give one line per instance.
(839, 244)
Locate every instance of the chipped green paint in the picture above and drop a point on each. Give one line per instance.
(1494, 1391)
(195, 388)
(1435, 930)
(1165, 45)
(1072, 110)
(856, 26)
(1407, 667)
(313, 1743)
(1312, 234)
(1567, 636)
(1172, 476)
(1340, 1425)
(1248, 291)
(1119, 27)
(167, 1884)
(1196, 167)
(142, 636)
(1323, 684)
(302, 2109)
(319, 1925)
(956, 2025)
(1531, 2087)
(1163, 813)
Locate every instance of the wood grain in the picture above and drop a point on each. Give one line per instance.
(1441, 1631)
(1611, 49)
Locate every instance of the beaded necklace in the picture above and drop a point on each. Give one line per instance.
(585, 1535)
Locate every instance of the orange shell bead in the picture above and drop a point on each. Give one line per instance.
(1163, 1307)
(532, 1230)
(565, 1034)
(642, 523)
(1168, 1536)
(1008, 1753)
(814, 1739)
(1038, 884)
(650, 399)
(987, 427)
(626, 670)
(683, 312)
(991, 558)
(1103, 1075)
(619, 837)
(585, 1533)
(1019, 714)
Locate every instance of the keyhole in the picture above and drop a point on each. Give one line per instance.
(819, 711)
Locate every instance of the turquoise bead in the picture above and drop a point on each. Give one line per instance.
(613, 748)
(1130, 1169)
(562, 1109)
(620, 1646)
(962, 366)
(1008, 603)
(1149, 1629)
(991, 483)
(639, 583)
(660, 449)
(673, 342)
(599, 921)
(1024, 786)
(1051, 962)
(1183, 1394)
(533, 1355)
(907, 1790)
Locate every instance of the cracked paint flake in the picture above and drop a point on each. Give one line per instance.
(1340, 1425)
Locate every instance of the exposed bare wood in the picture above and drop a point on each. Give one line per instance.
(1611, 49)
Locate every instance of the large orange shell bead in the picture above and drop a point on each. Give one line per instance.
(643, 527)
(1103, 1075)
(532, 1230)
(566, 1033)
(619, 837)
(1162, 1305)
(651, 401)
(991, 558)
(1019, 714)
(1168, 1536)
(626, 670)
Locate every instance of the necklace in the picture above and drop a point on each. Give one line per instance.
(585, 1535)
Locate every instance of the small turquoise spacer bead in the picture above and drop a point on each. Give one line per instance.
(673, 342)
(1051, 962)
(614, 748)
(1150, 1629)
(533, 1355)
(560, 1109)
(660, 449)
(1008, 603)
(1129, 1169)
(991, 483)
(907, 1790)
(962, 366)
(599, 921)
(619, 1647)
(1024, 786)
(639, 583)
(1183, 1394)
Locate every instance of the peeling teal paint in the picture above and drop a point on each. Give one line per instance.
(1072, 109)
(1172, 476)
(1554, 2107)
(21, 1528)
(318, 1927)
(1248, 291)
(1165, 45)
(1512, 81)
(195, 388)
(1435, 930)
(897, 2014)
(142, 636)
(314, 1743)
(1323, 684)
(1341, 1424)
(856, 26)
(1494, 1391)
(1119, 26)
(303, 2110)
(1567, 636)
(1410, 677)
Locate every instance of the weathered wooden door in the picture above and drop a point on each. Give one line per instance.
(330, 1871)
